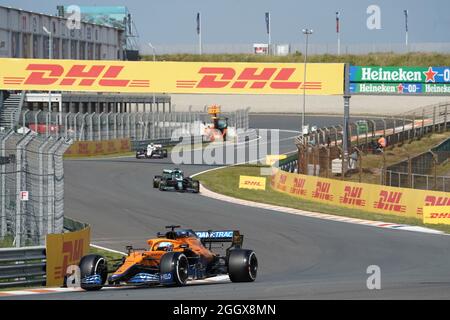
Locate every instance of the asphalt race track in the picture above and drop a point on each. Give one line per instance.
(299, 257)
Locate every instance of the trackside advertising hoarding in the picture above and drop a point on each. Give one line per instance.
(64, 250)
(402, 202)
(399, 80)
(171, 77)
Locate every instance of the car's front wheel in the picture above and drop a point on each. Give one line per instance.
(94, 271)
(242, 265)
(174, 268)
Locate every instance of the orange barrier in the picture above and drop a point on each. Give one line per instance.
(368, 197)
(63, 250)
(95, 148)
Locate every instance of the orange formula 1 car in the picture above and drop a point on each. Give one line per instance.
(174, 258)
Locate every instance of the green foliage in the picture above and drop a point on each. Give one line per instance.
(375, 59)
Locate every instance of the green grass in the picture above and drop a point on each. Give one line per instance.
(109, 256)
(378, 59)
(7, 242)
(226, 181)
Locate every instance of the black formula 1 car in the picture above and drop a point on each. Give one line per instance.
(152, 151)
(175, 257)
(175, 180)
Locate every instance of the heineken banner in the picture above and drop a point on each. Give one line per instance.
(399, 80)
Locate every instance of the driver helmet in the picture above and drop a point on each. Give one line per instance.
(165, 246)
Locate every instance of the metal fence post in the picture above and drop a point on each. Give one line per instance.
(51, 186)
(3, 223)
(434, 119)
(41, 172)
(99, 126)
(20, 168)
(423, 123)
(24, 119)
(58, 170)
(445, 118)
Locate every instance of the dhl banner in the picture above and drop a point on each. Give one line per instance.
(95, 148)
(436, 215)
(171, 77)
(368, 197)
(63, 250)
(248, 182)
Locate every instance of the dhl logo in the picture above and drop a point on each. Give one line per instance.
(77, 75)
(299, 183)
(439, 215)
(390, 201)
(252, 183)
(323, 191)
(352, 196)
(248, 78)
(437, 201)
(299, 187)
(434, 201)
(72, 252)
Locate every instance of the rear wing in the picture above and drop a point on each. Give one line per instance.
(211, 236)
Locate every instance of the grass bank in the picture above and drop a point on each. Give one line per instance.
(377, 59)
(226, 181)
(372, 164)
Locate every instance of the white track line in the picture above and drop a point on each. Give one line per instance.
(107, 249)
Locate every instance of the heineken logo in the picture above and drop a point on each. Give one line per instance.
(400, 75)
(370, 74)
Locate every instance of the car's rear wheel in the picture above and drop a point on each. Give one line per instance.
(156, 181)
(92, 265)
(164, 153)
(176, 264)
(195, 186)
(242, 265)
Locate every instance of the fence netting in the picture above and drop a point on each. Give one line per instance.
(31, 187)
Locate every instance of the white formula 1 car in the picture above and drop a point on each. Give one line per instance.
(152, 151)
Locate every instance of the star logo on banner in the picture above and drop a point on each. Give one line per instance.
(430, 74)
(400, 88)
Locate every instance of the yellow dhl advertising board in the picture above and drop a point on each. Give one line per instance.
(171, 77)
(63, 250)
(249, 182)
(362, 196)
(436, 215)
(94, 148)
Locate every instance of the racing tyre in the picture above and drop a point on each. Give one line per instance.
(162, 186)
(156, 181)
(242, 265)
(175, 263)
(195, 186)
(164, 151)
(90, 265)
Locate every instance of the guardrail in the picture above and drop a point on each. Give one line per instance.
(22, 266)
(28, 265)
